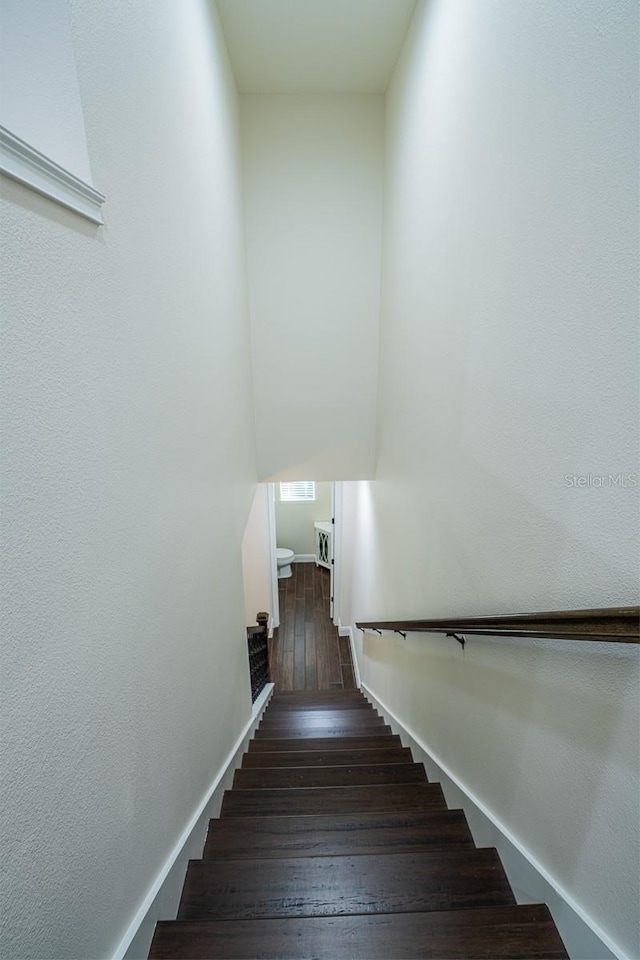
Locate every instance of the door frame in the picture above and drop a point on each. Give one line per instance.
(271, 514)
(336, 566)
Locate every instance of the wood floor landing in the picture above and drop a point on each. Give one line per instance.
(332, 845)
(306, 652)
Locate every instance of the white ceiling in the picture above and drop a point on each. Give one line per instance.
(314, 46)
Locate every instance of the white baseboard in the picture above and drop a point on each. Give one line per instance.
(163, 897)
(583, 938)
(304, 558)
(348, 632)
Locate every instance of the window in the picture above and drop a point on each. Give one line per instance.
(300, 490)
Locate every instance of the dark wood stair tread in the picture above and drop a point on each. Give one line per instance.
(321, 730)
(349, 704)
(352, 705)
(325, 758)
(289, 717)
(270, 745)
(313, 721)
(524, 932)
(334, 776)
(250, 838)
(313, 724)
(328, 886)
(305, 801)
(316, 696)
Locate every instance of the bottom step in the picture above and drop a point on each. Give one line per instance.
(515, 932)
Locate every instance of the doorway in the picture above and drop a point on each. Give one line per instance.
(306, 651)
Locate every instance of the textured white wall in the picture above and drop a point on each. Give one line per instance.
(509, 337)
(40, 99)
(313, 191)
(127, 478)
(256, 558)
(294, 521)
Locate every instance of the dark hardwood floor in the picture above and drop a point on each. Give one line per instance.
(306, 652)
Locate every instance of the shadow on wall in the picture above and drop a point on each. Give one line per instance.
(512, 717)
(256, 557)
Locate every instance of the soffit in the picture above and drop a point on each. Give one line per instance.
(314, 46)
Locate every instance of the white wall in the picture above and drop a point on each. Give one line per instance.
(256, 558)
(127, 479)
(313, 189)
(294, 521)
(40, 100)
(509, 337)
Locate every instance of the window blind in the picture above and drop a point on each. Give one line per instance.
(299, 490)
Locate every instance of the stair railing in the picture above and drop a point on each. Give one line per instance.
(602, 624)
(258, 644)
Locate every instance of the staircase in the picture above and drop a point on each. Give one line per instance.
(332, 844)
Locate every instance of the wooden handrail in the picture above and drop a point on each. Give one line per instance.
(611, 624)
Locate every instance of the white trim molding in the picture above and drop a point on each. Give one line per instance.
(337, 492)
(583, 937)
(273, 546)
(163, 897)
(304, 558)
(24, 163)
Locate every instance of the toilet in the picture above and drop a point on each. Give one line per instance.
(284, 559)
